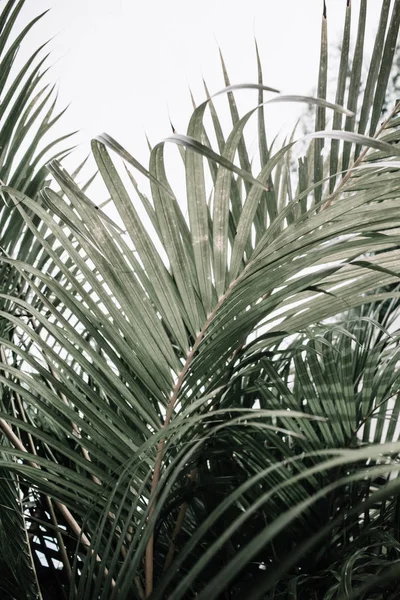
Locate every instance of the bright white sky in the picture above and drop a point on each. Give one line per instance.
(125, 64)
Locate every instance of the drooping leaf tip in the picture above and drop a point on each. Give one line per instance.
(324, 10)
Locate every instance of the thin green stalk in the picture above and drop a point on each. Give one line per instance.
(360, 158)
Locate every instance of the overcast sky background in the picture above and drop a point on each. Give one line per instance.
(124, 66)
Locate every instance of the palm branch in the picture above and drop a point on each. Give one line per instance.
(27, 116)
(201, 425)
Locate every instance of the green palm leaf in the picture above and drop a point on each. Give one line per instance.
(184, 439)
(27, 115)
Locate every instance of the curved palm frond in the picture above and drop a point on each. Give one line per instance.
(27, 116)
(184, 438)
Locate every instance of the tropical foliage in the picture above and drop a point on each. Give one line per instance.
(200, 391)
(27, 115)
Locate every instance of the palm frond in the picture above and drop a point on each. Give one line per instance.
(27, 115)
(188, 442)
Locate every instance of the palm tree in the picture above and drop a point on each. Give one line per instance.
(207, 388)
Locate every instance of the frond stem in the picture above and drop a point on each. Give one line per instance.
(360, 158)
(149, 559)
